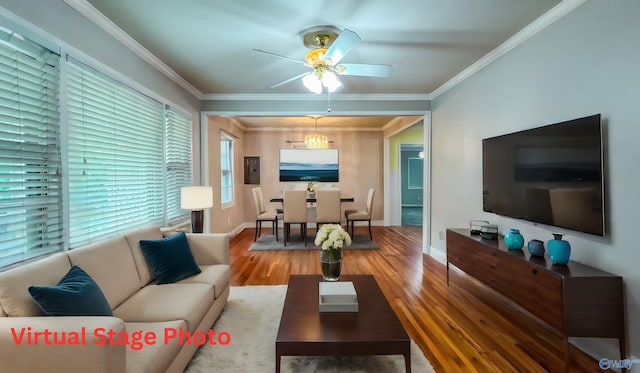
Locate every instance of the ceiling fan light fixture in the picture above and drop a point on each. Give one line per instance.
(321, 77)
(330, 80)
(312, 83)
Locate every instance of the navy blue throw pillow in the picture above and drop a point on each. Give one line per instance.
(170, 258)
(75, 295)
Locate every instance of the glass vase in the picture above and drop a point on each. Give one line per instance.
(331, 264)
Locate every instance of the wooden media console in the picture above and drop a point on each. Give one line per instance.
(575, 299)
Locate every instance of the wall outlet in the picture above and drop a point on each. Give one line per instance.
(229, 220)
(441, 235)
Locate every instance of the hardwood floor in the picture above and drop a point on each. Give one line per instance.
(463, 327)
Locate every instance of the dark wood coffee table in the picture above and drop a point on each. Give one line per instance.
(373, 330)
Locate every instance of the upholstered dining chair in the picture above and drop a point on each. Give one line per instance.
(294, 204)
(328, 207)
(361, 215)
(262, 214)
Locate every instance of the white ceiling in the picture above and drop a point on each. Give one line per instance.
(209, 43)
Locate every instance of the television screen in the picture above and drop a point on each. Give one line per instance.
(551, 175)
(320, 165)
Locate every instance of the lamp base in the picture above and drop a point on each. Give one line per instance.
(197, 221)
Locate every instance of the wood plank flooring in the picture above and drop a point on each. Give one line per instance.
(463, 327)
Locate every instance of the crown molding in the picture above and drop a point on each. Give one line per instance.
(315, 97)
(562, 9)
(91, 13)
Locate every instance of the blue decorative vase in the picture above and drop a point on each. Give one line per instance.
(536, 248)
(559, 249)
(514, 239)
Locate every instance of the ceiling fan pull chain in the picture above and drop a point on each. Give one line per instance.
(328, 102)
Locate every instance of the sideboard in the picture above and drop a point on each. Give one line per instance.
(575, 299)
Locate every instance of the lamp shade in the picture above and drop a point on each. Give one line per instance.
(196, 197)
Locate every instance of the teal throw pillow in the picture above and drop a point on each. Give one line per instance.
(75, 295)
(170, 258)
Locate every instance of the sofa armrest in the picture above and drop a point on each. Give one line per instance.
(209, 249)
(81, 351)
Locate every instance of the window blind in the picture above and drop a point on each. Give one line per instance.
(30, 182)
(178, 160)
(116, 168)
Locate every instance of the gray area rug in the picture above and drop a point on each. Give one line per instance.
(268, 242)
(251, 317)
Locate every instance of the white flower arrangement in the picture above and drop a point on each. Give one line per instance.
(332, 237)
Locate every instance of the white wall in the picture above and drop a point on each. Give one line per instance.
(583, 64)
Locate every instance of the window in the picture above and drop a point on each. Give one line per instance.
(116, 157)
(226, 169)
(30, 181)
(83, 157)
(178, 162)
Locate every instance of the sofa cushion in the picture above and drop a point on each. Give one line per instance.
(217, 276)
(15, 298)
(75, 295)
(110, 263)
(153, 358)
(155, 303)
(134, 238)
(170, 258)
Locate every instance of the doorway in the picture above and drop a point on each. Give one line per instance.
(411, 183)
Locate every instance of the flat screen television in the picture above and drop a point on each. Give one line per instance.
(551, 175)
(310, 165)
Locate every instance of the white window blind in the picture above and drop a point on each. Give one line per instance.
(226, 168)
(30, 182)
(178, 158)
(115, 140)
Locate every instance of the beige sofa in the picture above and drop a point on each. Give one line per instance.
(119, 268)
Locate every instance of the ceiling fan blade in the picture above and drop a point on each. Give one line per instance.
(358, 69)
(289, 80)
(279, 55)
(342, 45)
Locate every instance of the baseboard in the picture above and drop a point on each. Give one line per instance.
(437, 254)
(240, 228)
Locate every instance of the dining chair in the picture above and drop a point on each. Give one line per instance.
(294, 204)
(361, 215)
(262, 214)
(328, 207)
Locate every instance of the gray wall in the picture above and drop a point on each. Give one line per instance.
(585, 63)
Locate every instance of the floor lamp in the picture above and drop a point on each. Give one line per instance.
(196, 199)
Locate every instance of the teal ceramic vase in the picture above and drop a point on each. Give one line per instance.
(536, 248)
(559, 249)
(514, 239)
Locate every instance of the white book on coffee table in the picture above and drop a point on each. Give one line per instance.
(338, 297)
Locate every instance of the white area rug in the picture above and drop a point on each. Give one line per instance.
(252, 317)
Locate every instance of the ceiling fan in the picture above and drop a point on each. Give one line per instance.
(328, 46)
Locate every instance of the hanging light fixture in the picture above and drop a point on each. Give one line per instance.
(316, 141)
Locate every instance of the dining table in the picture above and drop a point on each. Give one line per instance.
(312, 199)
